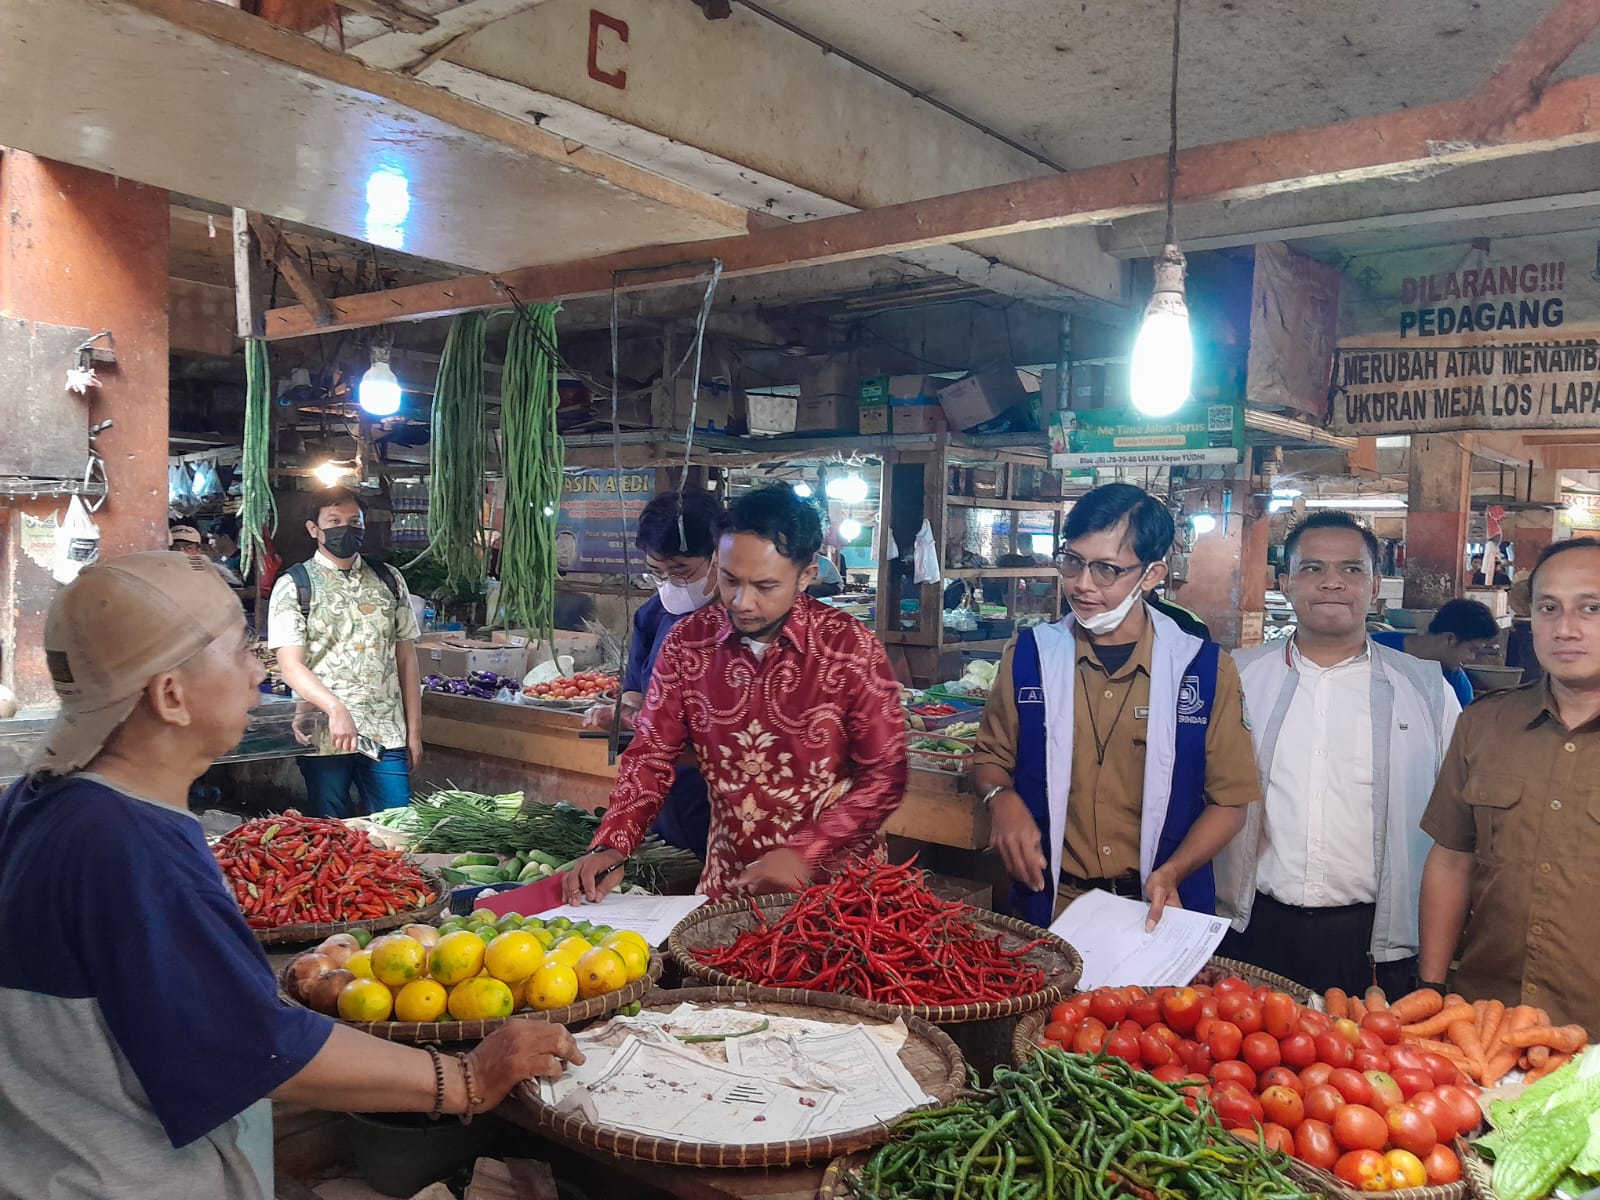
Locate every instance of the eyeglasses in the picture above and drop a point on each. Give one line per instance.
(682, 578)
(1103, 573)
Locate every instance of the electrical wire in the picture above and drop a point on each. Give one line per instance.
(1172, 145)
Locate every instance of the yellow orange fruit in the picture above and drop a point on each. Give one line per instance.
(481, 999)
(635, 958)
(421, 1000)
(365, 1000)
(456, 957)
(359, 964)
(626, 935)
(397, 959)
(553, 985)
(513, 956)
(570, 949)
(600, 971)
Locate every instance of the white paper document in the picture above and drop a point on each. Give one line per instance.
(874, 1084)
(652, 917)
(1109, 932)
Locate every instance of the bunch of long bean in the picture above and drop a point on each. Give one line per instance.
(258, 511)
(532, 453)
(455, 477)
(1066, 1125)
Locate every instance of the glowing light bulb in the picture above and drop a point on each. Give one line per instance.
(849, 529)
(803, 490)
(379, 390)
(330, 473)
(1162, 366)
(852, 489)
(1202, 522)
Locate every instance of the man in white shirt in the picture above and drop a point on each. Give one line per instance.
(1322, 884)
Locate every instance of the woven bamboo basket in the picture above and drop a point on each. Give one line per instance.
(930, 1057)
(1325, 1183)
(836, 1179)
(1031, 1027)
(1475, 1172)
(309, 931)
(419, 1033)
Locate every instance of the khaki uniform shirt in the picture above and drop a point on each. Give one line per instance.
(350, 638)
(1107, 797)
(1521, 793)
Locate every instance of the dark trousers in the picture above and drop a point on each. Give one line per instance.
(378, 785)
(1321, 948)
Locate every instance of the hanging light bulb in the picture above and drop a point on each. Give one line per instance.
(803, 490)
(852, 489)
(330, 472)
(849, 529)
(379, 390)
(1203, 522)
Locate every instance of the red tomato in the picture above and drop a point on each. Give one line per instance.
(1369, 1060)
(1239, 1072)
(1465, 1109)
(1153, 1051)
(1348, 1030)
(1442, 1165)
(1248, 1018)
(1367, 1040)
(1323, 1102)
(1165, 1034)
(1314, 1144)
(1070, 1011)
(1386, 1093)
(1271, 1135)
(1059, 1032)
(1438, 1112)
(1261, 1051)
(1413, 1082)
(1225, 1041)
(1410, 1130)
(1168, 1072)
(1279, 1012)
(1352, 1085)
(1231, 983)
(1181, 1010)
(1202, 1030)
(1385, 1024)
(1357, 1127)
(1335, 1050)
(1298, 1050)
(1108, 1007)
(1146, 1011)
(1284, 1106)
(1441, 1068)
(1404, 1169)
(1123, 1045)
(1363, 1170)
(1313, 1022)
(1198, 1059)
(1407, 1058)
(1229, 1003)
(1236, 1108)
(1282, 1077)
(1316, 1073)
(1208, 1006)
(1090, 1038)
(1132, 1027)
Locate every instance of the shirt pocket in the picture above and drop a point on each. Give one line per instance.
(1495, 801)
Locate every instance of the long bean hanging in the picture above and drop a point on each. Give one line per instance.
(258, 511)
(455, 478)
(532, 454)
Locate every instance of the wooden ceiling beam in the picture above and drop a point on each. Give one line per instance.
(282, 255)
(1521, 78)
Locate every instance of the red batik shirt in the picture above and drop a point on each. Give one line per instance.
(802, 748)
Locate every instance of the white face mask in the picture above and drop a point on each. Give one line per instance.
(1105, 622)
(681, 599)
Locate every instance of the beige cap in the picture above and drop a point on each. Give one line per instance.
(119, 624)
(183, 533)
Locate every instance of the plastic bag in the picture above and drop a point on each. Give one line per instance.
(925, 557)
(77, 542)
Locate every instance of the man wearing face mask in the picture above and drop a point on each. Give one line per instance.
(677, 535)
(1114, 752)
(343, 631)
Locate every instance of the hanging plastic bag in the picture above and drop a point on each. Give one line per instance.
(177, 485)
(77, 542)
(925, 557)
(892, 551)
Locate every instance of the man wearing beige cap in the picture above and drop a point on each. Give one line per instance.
(140, 1025)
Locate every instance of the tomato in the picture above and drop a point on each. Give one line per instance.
(1248, 1018)
(1316, 1073)
(1352, 1085)
(1334, 1050)
(1260, 1050)
(1357, 1127)
(1298, 1050)
(1153, 1051)
(1146, 1011)
(1465, 1109)
(1385, 1024)
(1060, 1033)
(1410, 1130)
(1323, 1102)
(1167, 1072)
(1208, 1006)
(1412, 1082)
(1367, 1040)
(1441, 1068)
(1279, 1012)
(1369, 1060)
(1197, 1059)
(1236, 1108)
(1284, 1106)
(1181, 1010)
(1404, 1169)
(1282, 1077)
(1272, 1135)
(1090, 1038)
(1386, 1093)
(1123, 1045)
(1239, 1072)
(1314, 1144)
(1442, 1165)
(1438, 1112)
(1231, 983)
(1229, 1003)
(1067, 1013)
(1202, 1030)
(1165, 1034)
(1313, 1022)
(1348, 1030)
(1132, 1027)
(1407, 1058)
(1224, 1042)
(1363, 1170)
(1108, 1007)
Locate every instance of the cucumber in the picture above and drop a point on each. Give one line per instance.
(475, 860)
(518, 861)
(483, 874)
(540, 856)
(528, 873)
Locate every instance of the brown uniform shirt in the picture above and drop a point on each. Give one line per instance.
(1107, 797)
(1521, 793)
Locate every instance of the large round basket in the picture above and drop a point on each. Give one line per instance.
(835, 1183)
(930, 1057)
(311, 931)
(1326, 1183)
(1025, 1040)
(419, 1033)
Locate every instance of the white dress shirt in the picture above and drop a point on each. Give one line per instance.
(1317, 849)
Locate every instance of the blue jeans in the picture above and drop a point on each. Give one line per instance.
(382, 784)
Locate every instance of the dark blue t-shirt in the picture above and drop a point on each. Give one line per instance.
(685, 819)
(1395, 639)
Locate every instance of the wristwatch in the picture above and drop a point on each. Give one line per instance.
(993, 792)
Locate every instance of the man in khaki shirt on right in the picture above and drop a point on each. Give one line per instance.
(1515, 818)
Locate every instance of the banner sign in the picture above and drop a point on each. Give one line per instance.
(1199, 435)
(598, 518)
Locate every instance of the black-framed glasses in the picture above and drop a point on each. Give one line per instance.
(1103, 573)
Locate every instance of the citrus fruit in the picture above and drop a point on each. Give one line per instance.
(480, 999)
(397, 958)
(421, 1000)
(511, 916)
(560, 923)
(570, 949)
(600, 971)
(634, 958)
(365, 1000)
(359, 964)
(513, 956)
(545, 938)
(458, 956)
(626, 935)
(533, 922)
(553, 985)
(482, 916)
(363, 937)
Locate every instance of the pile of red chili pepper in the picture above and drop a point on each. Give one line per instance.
(289, 869)
(878, 932)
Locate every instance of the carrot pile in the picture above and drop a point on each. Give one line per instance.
(1484, 1038)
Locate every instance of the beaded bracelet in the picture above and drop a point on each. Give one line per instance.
(474, 1100)
(438, 1083)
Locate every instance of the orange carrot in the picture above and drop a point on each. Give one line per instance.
(1518, 1018)
(1440, 1021)
(1494, 1015)
(1337, 1002)
(1499, 1063)
(1554, 1061)
(1537, 1056)
(1568, 1039)
(1376, 1000)
(1418, 1006)
(1356, 1010)
(1465, 1034)
(1454, 998)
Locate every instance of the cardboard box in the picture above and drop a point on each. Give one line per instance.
(829, 375)
(917, 418)
(874, 390)
(873, 419)
(826, 414)
(909, 390)
(980, 398)
(457, 658)
(717, 404)
(773, 414)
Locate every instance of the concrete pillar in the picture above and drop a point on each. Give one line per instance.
(79, 248)
(1530, 532)
(1227, 569)
(1439, 494)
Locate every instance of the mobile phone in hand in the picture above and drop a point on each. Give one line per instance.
(370, 748)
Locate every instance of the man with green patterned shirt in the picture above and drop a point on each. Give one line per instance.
(349, 653)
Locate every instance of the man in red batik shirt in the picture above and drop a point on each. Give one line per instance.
(790, 706)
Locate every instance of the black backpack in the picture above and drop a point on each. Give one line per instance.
(302, 585)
